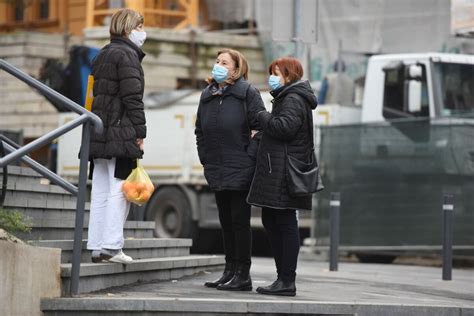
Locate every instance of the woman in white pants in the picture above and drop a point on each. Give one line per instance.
(118, 93)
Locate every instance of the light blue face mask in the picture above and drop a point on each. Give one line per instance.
(274, 82)
(219, 73)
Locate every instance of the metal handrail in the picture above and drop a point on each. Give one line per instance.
(4, 176)
(45, 139)
(10, 146)
(86, 118)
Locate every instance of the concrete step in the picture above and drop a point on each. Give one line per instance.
(22, 171)
(33, 195)
(28, 189)
(33, 184)
(38, 215)
(99, 276)
(23, 178)
(62, 223)
(355, 289)
(159, 306)
(27, 175)
(64, 230)
(141, 248)
(40, 200)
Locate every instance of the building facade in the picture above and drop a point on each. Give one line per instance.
(73, 16)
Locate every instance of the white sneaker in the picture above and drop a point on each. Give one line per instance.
(120, 257)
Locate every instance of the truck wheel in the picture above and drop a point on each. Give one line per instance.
(169, 209)
(371, 258)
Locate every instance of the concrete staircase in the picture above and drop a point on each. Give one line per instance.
(52, 211)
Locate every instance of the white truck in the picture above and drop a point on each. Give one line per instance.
(413, 146)
(182, 201)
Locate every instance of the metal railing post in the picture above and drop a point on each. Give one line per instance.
(448, 208)
(81, 201)
(4, 176)
(334, 216)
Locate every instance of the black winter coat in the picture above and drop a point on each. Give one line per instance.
(286, 124)
(118, 93)
(223, 136)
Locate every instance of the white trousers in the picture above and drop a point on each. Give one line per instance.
(109, 208)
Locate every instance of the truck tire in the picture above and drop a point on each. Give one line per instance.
(372, 258)
(169, 208)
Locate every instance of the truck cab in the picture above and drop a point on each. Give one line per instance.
(418, 85)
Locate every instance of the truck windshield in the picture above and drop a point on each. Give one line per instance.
(457, 87)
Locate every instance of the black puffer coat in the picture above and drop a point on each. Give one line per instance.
(118, 92)
(286, 124)
(222, 135)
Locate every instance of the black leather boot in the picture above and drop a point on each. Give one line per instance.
(279, 287)
(227, 275)
(240, 282)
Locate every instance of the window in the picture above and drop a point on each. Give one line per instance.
(393, 90)
(19, 11)
(457, 87)
(396, 85)
(44, 9)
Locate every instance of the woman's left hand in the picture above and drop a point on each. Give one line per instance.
(141, 143)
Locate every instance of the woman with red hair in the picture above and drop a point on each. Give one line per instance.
(287, 131)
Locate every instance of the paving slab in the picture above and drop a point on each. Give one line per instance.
(356, 289)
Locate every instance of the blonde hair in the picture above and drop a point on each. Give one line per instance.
(124, 21)
(241, 65)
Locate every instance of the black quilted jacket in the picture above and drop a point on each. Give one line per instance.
(286, 124)
(222, 135)
(118, 92)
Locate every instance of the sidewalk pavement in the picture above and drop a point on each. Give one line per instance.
(356, 289)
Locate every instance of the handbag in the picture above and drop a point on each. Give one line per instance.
(303, 177)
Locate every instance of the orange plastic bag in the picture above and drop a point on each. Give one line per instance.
(138, 187)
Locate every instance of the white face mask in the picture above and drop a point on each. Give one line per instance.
(137, 37)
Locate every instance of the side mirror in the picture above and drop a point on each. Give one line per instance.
(415, 72)
(414, 96)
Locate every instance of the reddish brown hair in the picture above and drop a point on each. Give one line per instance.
(290, 68)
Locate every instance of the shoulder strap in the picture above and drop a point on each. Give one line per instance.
(245, 110)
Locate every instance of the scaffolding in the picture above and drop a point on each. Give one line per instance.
(173, 14)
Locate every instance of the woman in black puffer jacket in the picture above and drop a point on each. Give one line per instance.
(289, 125)
(226, 117)
(118, 92)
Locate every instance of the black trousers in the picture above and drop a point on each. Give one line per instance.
(234, 216)
(282, 230)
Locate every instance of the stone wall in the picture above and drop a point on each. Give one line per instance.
(21, 107)
(27, 274)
